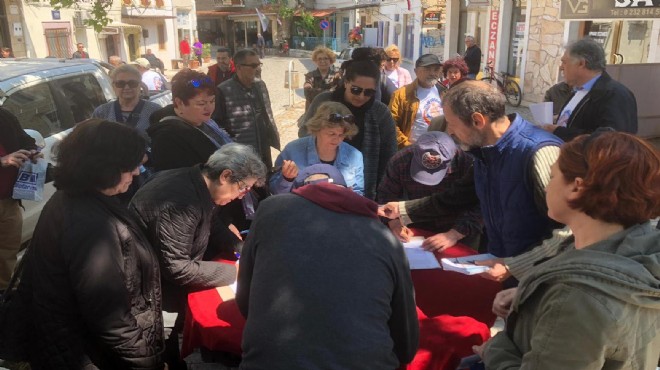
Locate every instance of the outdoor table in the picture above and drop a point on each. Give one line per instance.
(454, 312)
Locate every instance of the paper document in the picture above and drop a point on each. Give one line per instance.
(227, 292)
(414, 242)
(465, 265)
(418, 258)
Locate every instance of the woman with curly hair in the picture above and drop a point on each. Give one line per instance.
(324, 77)
(454, 69)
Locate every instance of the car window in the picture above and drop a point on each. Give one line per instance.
(82, 94)
(36, 109)
(346, 54)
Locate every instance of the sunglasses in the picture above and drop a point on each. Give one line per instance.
(200, 82)
(336, 118)
(120, 84)
(358, 90)
(254, 65)
(393, 60)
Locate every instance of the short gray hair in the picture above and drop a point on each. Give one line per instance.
(242, 55)
(590, 51)
(241, 160)
(475, 97)
(126, 68)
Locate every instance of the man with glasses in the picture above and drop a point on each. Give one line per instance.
(415, 105)
(80, 53)
(223, 69)
(243, 107)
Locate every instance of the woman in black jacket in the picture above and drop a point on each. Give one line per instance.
(91, 275)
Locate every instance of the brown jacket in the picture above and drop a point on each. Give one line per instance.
(403, 106)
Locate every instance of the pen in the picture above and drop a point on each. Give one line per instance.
(237, 255)
(244, 232)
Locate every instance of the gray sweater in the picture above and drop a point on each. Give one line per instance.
(336, 294)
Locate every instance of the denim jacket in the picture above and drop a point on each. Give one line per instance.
(303, 152)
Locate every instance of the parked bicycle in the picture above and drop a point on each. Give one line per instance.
(505, 83)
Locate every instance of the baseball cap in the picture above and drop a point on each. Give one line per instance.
(142, 62)
(332, 173)
(432, 154)
(427, 60)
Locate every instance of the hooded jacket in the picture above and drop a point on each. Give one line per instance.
(591, 308)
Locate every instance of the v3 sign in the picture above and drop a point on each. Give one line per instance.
(324, 24)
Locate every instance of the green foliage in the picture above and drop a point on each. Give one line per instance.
(206, 50)
(309, 24)
(99, 11)
(285, 11)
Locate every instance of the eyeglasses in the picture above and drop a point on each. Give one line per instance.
(322, 59)
(395, 60)
(120, 84)
(254, 65)
(336, 118)
(358, 90)
(200, 82)
(243, 188)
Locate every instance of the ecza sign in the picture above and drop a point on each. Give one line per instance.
(492, 34)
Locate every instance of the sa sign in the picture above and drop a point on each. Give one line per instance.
(324, 24)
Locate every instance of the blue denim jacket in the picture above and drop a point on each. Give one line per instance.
(303, 152)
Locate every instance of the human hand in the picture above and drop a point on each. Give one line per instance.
(498, 270)
(289, 170)
(549, 128)
(234, 230)
(389, 210)
(400, 231)
(35, 155)
(479, 350)
(16, 158)
(442, 241)
(502, 302)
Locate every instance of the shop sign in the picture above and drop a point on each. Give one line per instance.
(492, 35)
(609, 9)
(431, 17)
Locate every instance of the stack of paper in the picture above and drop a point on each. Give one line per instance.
(465, 265)
(418, 258)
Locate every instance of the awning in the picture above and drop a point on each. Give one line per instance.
(213, 13)
(113, 28)
(147, 16)
(318, 13)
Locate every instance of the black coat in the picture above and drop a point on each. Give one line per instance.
(608, 104)
(175, 210)
(94, 284)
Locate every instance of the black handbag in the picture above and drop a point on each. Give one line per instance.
(15, 323)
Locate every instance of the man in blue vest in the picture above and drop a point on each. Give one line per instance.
(512, 160)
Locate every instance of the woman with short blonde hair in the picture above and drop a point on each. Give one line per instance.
(400, 77)
(324, 77)
(330, 125)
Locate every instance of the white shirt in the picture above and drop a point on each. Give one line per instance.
(153, 80)
(430, 106)
(394, 77)
(568, 109)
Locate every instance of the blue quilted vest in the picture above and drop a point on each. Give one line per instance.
(504, 186)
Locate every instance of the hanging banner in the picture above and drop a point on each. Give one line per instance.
(609, 9)
(492, 35)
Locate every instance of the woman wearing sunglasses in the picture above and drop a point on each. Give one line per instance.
(128, 109)
(324, 77)
(376, 136)
(331, 123)
(400, 77)
(595, 304)
(183, 134)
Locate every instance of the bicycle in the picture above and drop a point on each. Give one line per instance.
(505, 82)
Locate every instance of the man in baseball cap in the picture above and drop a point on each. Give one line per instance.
(414, 106)
(154, 80)
(434, 164)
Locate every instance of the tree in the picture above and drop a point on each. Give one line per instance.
(99, 11)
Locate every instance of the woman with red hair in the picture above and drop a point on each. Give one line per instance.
(454, 69)
(596, 303)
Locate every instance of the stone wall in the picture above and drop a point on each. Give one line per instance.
(544, 49)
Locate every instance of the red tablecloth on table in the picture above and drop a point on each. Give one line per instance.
(454, 313)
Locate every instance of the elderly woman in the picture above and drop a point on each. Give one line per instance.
(376, 137)
(128, 108)
(91, 274)
(183, 134)
(331, 123)
(400, 77)
(176, 210)
(324, 77)
(454, 69)
(594, 304)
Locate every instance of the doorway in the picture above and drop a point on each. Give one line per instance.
(624, 42)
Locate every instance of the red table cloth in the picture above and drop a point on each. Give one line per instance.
(454, 312)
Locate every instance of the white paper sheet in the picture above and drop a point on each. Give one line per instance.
(465, 265)
(414, 242)
(419, 259)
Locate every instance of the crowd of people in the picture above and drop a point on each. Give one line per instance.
(149, 198)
